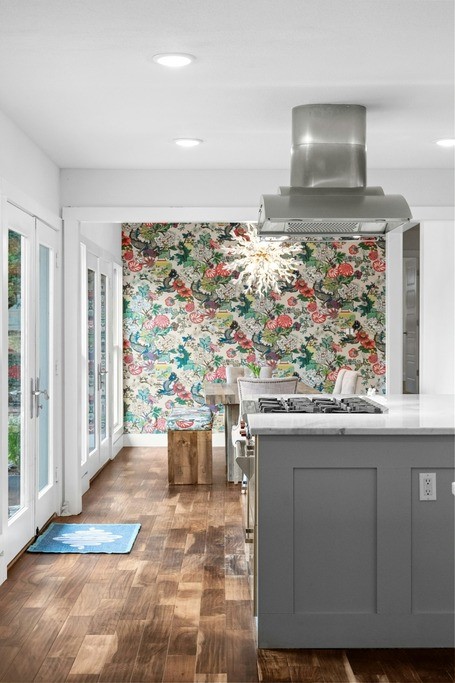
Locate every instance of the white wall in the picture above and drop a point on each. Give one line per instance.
(437, 307)
(25, 167)
(108, 236)
(85, 187)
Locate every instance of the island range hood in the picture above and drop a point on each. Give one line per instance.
(328, 194)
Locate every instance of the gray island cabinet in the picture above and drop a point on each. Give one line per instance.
(346, 553)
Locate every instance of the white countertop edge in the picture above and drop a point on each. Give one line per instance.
(415, 414)
(353, 431)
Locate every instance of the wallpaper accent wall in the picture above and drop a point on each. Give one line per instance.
(185, 317)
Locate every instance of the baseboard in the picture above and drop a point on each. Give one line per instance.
(160, 440)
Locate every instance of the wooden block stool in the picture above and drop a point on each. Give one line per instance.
(189, 446)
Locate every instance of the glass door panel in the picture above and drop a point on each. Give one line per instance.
(18, 510)
(31, 324)
(91, 358)
(44, 369)
(117, 350)
(97, 345)
(45, 380)
(103, 369)
(16, 378)
(105, 343)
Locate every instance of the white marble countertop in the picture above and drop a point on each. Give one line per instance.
(407, 415)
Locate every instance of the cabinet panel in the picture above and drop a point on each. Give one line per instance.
(335, 540)
(432, 556)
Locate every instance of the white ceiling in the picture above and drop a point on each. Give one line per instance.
(75, 76)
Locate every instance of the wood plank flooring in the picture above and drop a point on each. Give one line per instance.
(177, 608)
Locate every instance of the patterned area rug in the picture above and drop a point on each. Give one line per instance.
(86, 538)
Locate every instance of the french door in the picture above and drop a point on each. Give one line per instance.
(96, 342)
(33, 462)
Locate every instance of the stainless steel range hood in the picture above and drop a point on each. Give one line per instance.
(328, 193)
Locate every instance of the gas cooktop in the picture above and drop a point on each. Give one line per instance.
(305, 404)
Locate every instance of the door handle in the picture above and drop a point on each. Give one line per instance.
(37, 393)
(32, 398)
(101, 374)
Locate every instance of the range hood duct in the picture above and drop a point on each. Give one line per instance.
(328, 194)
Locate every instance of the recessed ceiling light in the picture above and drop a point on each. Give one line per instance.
(447, 142)
(188, 142)
(173, 59)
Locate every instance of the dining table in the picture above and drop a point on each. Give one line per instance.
(228, 395)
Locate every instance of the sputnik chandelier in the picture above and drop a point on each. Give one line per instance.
(263, 266)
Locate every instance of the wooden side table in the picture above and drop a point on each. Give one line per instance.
(190, 446)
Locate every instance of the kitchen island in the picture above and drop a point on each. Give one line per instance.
(346, 553)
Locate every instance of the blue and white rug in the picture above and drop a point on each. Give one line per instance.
(86, 538)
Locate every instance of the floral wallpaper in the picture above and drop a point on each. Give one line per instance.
(186, 317)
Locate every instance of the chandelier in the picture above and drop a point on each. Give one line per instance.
(263, 266)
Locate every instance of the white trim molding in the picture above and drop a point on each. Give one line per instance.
(29, 205)
(161, 214)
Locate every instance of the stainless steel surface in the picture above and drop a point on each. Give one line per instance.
(246, 464)
(325, 404)
(32, 398)
(327, 195)
(227, 394)
(37, 394)
(328, 145)
(102, 372)
(357, 212)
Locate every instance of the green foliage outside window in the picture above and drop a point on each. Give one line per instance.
(14, 442)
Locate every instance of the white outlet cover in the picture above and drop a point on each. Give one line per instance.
(427, 486)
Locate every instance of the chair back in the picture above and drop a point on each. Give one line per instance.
(347, 382)
(261, 387)
(233, 372)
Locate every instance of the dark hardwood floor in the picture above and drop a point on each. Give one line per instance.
(177, 608)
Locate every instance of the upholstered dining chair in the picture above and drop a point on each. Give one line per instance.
(348, 382)
(249, 388)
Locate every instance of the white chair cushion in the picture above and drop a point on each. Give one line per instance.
(262, 387)
(339, 381)
(347, 382)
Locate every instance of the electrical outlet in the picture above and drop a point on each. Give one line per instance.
(427, 485)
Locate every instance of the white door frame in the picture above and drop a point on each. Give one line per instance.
(436, 233)
(73, 217)
(50, 498)
(92, 259)
(13, 195)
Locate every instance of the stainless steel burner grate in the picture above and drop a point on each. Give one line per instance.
(322, 405)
